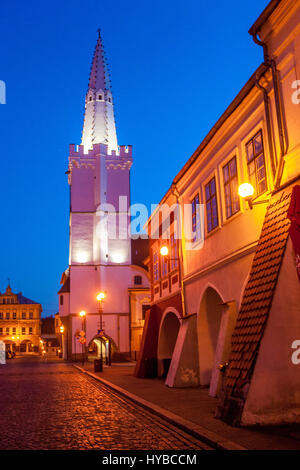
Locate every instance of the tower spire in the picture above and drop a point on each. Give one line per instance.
(99, 122)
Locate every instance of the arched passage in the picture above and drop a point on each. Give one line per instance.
(104, 343)
(168, 333)
(209, 322)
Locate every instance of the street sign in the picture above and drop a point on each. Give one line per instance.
(82, 340)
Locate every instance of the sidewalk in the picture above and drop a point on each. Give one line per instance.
(195, 406)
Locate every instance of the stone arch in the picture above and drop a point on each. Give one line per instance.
(208, 325)
(109, 348)
(167, 336)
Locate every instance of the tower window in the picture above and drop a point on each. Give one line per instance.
(109, 99)
(61, 300)
(100, 97)
(90, 98)
(137, 280)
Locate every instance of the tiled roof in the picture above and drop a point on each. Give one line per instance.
(65, 287)
(25, 300)
(258, 295)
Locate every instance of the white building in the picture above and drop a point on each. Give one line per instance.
(99, 260)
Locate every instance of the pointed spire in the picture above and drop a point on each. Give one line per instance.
(99, 122)
(99, 77)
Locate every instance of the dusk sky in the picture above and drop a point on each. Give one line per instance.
(175, 67)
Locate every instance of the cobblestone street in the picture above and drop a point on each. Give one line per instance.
(53, 406)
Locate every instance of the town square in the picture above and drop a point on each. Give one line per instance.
(150, 273)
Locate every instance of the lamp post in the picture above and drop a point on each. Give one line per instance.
(83, 315)
(100, 298)
(62, 329)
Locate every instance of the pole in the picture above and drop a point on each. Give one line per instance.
(82, 345)
(100, 312)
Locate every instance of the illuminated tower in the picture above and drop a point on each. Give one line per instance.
(99, 175)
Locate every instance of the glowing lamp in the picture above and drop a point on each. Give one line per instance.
(62, 329)
(246, 190)
(82, 313)
(164, 251)
(100, 296)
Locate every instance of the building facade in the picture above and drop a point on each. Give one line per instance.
(225, 301)
(20, 323)
(100, 253)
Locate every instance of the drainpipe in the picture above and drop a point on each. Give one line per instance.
(268, 122)
(279, 111)
(182, 288)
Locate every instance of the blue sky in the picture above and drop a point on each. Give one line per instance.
(175, 66)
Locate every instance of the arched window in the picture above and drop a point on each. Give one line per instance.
(99, 97)
(90, 99)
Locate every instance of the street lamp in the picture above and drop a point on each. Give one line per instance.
(100, 298)
(61, 329)
(83, 339)
(246, 191)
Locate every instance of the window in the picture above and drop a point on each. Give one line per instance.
(256, 163)
(7, 316)
(196, 228)
(1, 331)
(138, 280)
(231, 188)
(31, 315)
(1, 315)
(174, 252)
(7, 330)
(14, 315)
(155, 267)
(144, 310)
(14, 330)
(211, 205)
(99, 97)
(23, 331)
(91, 98)
(109, 99)
(61, 300)
(30, 330)
(23, 315)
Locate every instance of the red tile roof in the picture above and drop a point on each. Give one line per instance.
(258, 295)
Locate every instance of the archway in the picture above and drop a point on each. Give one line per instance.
(209, 322)
(107, 345)
(26, 347)
(10, 346)
(167, 337)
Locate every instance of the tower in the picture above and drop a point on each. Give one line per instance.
(99, 260)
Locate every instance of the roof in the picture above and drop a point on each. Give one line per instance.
(99, 76)
(255, 28)
(258, 295)
(25, 300)
(66, 287)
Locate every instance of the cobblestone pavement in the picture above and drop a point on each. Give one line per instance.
(53, 406)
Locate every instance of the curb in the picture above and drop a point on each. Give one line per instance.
(209, 437)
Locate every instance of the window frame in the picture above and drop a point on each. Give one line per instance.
(254, 159)
(208, 182)
(228, 183)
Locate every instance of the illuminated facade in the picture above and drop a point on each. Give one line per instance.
(234, 294)
(20, 323)
(99, 261)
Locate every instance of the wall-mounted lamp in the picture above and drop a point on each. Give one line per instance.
(246, 191)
